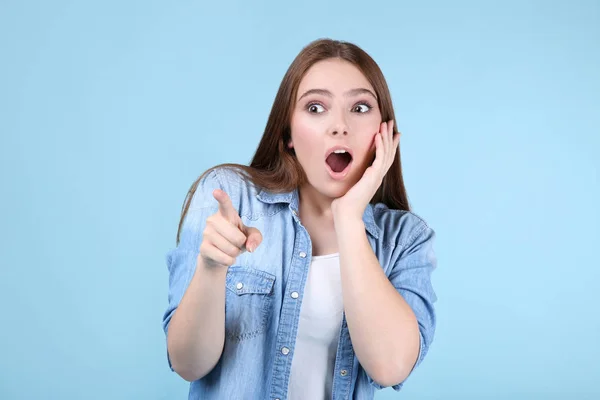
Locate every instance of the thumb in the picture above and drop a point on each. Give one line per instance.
(253, 238)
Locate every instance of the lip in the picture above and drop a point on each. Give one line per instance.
(338, 175)
(339, 147)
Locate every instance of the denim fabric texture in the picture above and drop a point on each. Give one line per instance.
(261, 316)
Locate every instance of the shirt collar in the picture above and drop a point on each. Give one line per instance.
(292, 199)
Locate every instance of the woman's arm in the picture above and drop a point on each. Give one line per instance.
(385, 329)
(196, 333)
(211, 239)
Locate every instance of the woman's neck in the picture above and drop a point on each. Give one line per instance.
(317, 217)
(313, 204)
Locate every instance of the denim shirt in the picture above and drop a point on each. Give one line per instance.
(261, 315)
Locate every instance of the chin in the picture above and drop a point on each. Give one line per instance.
(329, 188)
(332, 190)
(335, 193)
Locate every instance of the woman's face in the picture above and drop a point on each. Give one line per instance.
(335, 107)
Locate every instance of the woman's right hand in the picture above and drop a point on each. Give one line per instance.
(225, 236)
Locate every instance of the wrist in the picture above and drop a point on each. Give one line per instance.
(209, 270)
(346, 222)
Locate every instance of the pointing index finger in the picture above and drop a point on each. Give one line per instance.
(225, 205)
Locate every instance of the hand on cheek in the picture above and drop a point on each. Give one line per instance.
(358, 197)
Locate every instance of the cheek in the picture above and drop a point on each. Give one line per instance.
(369, 152)
(304, 134)
(368, 123)
(366, 146)
(367, 127)
(370, 126)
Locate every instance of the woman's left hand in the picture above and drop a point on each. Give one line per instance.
(354, 202)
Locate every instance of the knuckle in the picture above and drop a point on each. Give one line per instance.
(205, 245)
(231, 248)
(207, 234)
(205, 251)
(240, 240)
(210, 222)
(233, 252)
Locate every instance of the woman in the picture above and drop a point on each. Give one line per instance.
(305, 275)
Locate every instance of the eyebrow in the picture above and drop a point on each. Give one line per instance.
(325, 92)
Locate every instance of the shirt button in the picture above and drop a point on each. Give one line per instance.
(294, 212)
(295, 295)
(285, 351)
(302, 254)
(239, 286)
(343, 372)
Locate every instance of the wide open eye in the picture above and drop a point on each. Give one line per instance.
(315, 108)
(362, 108)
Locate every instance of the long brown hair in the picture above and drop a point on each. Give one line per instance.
(274, 166)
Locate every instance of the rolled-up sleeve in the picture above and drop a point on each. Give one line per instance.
(181, 260)
(411, 276)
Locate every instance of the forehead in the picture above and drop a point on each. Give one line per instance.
(335, 75)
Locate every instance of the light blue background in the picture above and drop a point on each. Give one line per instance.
(109, 110)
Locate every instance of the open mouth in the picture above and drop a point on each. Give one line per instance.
(338, 160)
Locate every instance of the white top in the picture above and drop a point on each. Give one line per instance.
(319, 327)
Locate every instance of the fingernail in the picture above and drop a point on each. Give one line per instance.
(250, 247)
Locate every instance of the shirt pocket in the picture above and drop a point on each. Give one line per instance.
(248, 302)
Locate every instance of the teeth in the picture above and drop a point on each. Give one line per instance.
(340, 151)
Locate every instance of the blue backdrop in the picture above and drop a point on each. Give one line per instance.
(110, 109)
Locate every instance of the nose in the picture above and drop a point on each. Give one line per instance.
(339, 126)
(336, 131)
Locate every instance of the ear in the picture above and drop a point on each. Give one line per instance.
(290, 145)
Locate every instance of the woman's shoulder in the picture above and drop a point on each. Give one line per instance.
(223, 178)
(233, 181)
(399, 227)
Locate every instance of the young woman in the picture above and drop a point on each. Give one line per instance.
(305, 275)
